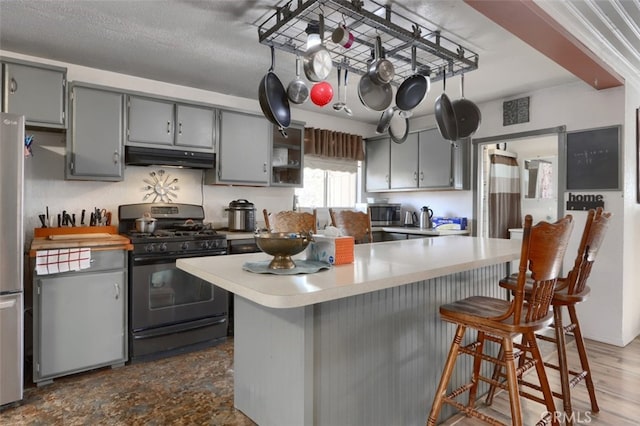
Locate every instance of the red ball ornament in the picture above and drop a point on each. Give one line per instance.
(321, 93)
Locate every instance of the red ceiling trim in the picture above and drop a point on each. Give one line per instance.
(534, 26)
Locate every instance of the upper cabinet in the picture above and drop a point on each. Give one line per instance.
(424, 161)
(377, 163)
(36, 91)
(287, 160)
(168, 124)
(95, 139)
(435, 167)
(244, 150)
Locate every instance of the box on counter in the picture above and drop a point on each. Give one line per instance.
(449, 223)
(334, 250)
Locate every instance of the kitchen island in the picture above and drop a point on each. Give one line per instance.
(356, 344)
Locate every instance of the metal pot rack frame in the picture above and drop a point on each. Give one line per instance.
(436, 56)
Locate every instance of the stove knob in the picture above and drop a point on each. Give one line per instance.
(163, 247)
(185, 245)
(204, 244)
(150, 248)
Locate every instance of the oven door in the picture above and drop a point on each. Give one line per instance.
(162, 294)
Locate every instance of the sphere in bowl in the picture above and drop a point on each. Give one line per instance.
(282, 245)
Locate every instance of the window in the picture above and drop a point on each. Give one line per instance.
(328, 183)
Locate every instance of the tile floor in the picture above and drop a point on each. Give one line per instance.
(188, 389)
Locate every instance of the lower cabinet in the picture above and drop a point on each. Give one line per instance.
(80, 318)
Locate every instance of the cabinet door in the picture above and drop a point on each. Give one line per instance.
(435, 159)
(37, 93)
(195, 127)
(287, 159)
(377, 163)
(81, 322)
(404, 163)
(96, 137)
(244, 151)
(150, 121)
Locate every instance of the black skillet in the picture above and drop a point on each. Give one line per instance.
(445, 115)
(273, 98)
(413, 89)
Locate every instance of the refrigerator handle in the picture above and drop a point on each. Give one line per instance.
(8, 304)
(5, 88)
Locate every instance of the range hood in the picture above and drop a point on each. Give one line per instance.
(143, 156)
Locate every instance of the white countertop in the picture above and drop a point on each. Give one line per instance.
(419, 231)
(377, 266)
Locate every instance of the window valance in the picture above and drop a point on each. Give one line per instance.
(332, 144)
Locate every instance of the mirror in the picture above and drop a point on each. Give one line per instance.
(539, 178)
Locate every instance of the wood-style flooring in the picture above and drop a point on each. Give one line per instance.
(197, 389)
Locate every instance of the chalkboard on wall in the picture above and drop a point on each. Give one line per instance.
(593, 159)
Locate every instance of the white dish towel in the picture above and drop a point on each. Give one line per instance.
(62, 260)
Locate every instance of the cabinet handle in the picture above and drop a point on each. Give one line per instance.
(386, 178)
(180, 128)
(168, 127)
(421, 176)
(264, 167)
(13, 86)
(415, 176)
(116, 157)
(117, 287)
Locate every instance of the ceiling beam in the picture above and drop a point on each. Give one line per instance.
(527, 21)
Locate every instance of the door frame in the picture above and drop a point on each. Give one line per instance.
(560, 131)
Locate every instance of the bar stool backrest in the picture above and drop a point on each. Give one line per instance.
(592, 237)
(290, 221)
(543, 249)
(353, 223)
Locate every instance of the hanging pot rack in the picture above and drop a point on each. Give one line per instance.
(436, 55)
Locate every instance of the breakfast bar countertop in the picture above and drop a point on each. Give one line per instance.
(377, 266)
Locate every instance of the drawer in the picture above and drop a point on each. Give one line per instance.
(102, 260)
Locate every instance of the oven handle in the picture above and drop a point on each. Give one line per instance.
(163, 331)
(154, 259)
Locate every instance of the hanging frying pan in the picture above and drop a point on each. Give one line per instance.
(413, 89)
(273, 99)
(317, 60)
(467, 113)
(398, 128)
(297, 90)
(445, 115)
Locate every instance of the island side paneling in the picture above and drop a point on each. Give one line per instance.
(372, 359)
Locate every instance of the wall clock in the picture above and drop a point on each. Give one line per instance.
(161, 187)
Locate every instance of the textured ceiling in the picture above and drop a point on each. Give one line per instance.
(213, 45)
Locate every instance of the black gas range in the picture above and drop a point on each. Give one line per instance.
(171, 311)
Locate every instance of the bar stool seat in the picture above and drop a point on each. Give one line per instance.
(501, 321)
(569, 291)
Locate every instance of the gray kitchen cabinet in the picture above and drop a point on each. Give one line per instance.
(165, 123)
(434, 160)
(96, 136)
(244, 150)
(377, 164)
(36, 91)
(80, 318)
(404, 163)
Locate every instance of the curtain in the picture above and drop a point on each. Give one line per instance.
(330, 144)
(504, 196)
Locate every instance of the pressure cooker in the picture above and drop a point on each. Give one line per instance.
(242, 216)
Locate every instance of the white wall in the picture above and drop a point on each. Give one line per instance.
(610, 315)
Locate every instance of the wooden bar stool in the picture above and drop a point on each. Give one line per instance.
(290, 221)
(568, 293)
(500, 321)
(354, 224)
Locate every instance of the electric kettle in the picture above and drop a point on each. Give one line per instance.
(425, 218)
(410, 218)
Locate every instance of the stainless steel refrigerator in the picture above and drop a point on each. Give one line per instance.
(11, 257)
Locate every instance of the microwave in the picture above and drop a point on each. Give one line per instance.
(385, 214)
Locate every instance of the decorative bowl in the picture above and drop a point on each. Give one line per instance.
(282, 245)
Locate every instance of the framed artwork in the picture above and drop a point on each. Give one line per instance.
(593, 159)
